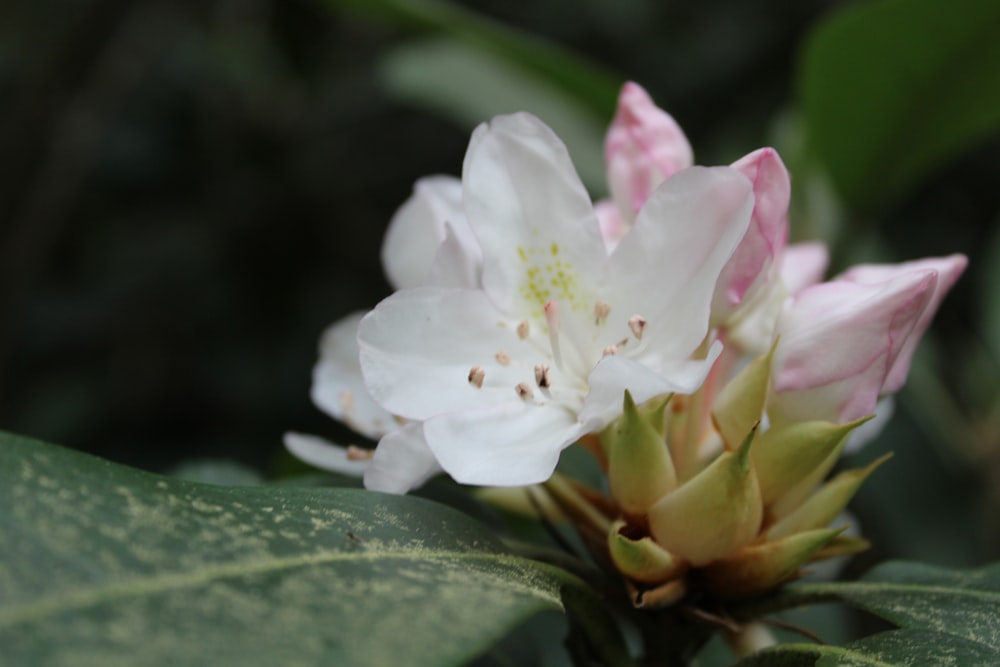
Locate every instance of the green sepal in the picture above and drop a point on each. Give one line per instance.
(761, 567)
(824, 505)
(715, 513)
(640, 470)
(789, 454)
(740, 404)
(643, 559)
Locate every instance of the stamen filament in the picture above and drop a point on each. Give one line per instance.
(552, 318)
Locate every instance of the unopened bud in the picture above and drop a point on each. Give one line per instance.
(642, 559)
(740, 404)
(823, 506)
(715, 513)
(759, 568)
(640, 471)
(787, 455)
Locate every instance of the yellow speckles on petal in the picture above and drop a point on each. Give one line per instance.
(545, 281)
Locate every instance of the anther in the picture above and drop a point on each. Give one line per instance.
(637, 323)
(502, 358)
(476, 376)
(355, 453)
(601, 311)
(542, 376)
(523, 329)
(609, 350)
(523, 390)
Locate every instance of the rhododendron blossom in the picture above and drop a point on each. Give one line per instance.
(505, 376)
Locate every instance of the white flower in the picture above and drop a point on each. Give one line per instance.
(506, 375)
(428, 243)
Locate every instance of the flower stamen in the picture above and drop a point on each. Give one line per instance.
(524, 391)
(523, 330)
(542, 376)
(637, 323)
(601, 312)
(552, 318)
(355, 453)
(609, 350)
(476, 376)
(502, 358)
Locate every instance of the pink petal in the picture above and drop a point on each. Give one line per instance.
(837, 343)
(644, 147)
(804, 264)
(613, 225)
(948, 269)
(765, 237)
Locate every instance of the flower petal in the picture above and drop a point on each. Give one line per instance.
(616, 373)
(666, 267)
(948, 269)
(529, 211)
(613, 225)
(837, 342)
(418, 228)
(338, 387)
(804, 264)
(323, 454)
(643, 148)
(509, 444)
(402, 461)
(419, 346)
(750, 266)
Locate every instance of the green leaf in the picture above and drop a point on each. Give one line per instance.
(944, 615)
(583, 80)
(105, 565)
(892, 89)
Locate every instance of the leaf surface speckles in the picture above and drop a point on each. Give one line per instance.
(105, 565)
(945, 617)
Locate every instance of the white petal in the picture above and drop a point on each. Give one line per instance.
(616, 373)
(418, 228)
(323, 454)
(529, 210)
(418, 347)
(338, 388)
(667, 266)
(459, 261)
(402, 461)
(509, 444)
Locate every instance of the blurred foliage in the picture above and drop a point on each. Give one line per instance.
(190, 192)
(891, 89)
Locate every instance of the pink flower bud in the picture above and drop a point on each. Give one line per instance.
(643, 148)
(804, 264)
(838, 342)
(751, 263)
(948, 271)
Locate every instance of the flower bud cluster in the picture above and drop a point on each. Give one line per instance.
(671, 329)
